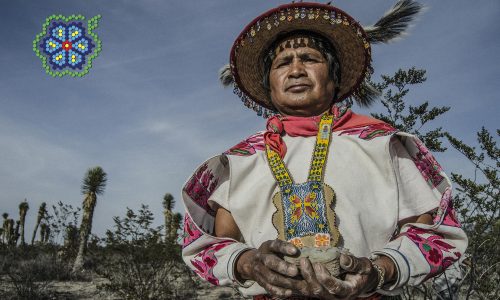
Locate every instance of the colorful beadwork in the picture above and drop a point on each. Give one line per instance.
(321, 149)
(304, 214)
(66, 46)
(278, 168)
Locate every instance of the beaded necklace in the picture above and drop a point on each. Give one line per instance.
(305, 215)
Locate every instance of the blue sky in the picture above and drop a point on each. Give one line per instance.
(151, 109)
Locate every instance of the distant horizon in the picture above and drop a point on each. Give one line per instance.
(151, 108)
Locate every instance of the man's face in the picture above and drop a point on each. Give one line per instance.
(299, 81)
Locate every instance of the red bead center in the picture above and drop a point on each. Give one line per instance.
(67, 45)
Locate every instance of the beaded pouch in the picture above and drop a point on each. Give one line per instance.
(305, 216)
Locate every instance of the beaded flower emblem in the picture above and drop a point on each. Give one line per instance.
(67, 45)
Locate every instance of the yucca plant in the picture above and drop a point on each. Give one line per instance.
(44, 233)
(42, 212)
(15, 233)
(4, 227)
(23, 209)
(94, 183)
(10, 231)
(168, 206)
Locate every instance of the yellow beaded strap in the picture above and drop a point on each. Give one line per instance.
(281, 173)
(278, 168)
(320, 153)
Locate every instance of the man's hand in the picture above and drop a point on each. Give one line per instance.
(267, 268)
(361, 277)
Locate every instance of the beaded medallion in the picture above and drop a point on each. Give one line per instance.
(67, 45)
(305, 215)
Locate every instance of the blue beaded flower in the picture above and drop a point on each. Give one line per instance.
(65, 46)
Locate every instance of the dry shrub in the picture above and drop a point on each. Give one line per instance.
(138, 263)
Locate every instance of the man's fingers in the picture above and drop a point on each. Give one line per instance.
(333, 285)
(278, 265)
(277, 291)
(352, 264)
(275, 283)
(314, 288)
(279, 246)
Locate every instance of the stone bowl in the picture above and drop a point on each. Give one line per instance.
(328, 256)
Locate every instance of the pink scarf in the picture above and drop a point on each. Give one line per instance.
(308, 126)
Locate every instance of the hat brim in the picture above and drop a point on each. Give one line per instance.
(345, 34)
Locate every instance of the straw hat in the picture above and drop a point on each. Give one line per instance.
(350, 40)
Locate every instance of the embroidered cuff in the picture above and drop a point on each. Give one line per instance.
(231, 265)
(402, 268)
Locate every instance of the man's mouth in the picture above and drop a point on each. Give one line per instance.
(297, 88)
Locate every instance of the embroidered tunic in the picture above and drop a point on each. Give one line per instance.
(379, 176)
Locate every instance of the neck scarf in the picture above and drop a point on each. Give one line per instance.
(279, 125)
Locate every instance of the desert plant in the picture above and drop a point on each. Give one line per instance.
(478, 203)
(477, 200)
(15, 233)
(64, 216)
(408, 118)
(31, 270)
(168, 206)
(44, 233)
(4, 228)
(175, 226)
(42, 212)
(23, 210)
(71, 236)
(93, 185)
(139, 265)
(11, 232)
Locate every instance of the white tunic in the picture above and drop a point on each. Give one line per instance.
(377, 182)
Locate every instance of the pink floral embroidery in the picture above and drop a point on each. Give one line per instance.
(427, 165)
(205, 261)
(201, 186)
(436, 251)
(446, 214)
(191, 232)
(248, 146)
(370, 132)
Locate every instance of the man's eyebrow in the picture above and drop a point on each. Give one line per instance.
(304, 55)
(285, 57)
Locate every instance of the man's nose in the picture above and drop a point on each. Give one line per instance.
(297, 69)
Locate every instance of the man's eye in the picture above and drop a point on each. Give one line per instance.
(281, 64)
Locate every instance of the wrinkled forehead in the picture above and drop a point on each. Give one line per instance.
(295, 41)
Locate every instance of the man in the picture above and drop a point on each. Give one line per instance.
(320, 176)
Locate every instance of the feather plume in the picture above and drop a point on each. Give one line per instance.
(366, 94)
(225, 76)
(394, 22)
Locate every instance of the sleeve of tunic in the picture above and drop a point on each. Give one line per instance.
(422, 251)
(211, 257)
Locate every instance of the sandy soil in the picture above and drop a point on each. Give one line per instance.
(87, 290)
